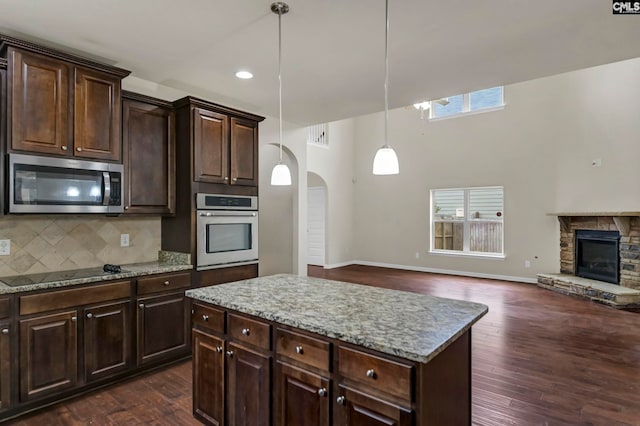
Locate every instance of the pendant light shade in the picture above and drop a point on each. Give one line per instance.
(386, 161)
(280, 176)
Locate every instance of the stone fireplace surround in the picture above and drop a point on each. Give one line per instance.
(624, 295)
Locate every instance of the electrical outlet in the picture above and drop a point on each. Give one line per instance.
(527, 264)
(5, 247)
(124, 240)
(596, 162)
(417, 255)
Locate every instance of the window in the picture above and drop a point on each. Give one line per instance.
(480, 100)
(318, 135)
(468, 221)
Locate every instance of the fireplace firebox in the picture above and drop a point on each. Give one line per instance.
(598, 255)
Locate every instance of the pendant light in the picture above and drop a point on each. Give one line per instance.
(386, 161)
(280, 176)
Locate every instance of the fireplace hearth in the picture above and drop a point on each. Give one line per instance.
(597, 255)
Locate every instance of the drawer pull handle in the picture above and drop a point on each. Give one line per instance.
(89, 315)
(299, 350)
(246, 331)
(166, 282)
(5, 331)
(205, 317)
(341, 400)
(322, 392)
(230, 354)
(371, 374)
(219, 349)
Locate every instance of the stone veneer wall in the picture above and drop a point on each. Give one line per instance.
(629, 247)
(56, 243)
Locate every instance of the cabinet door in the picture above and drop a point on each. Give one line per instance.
(107, 339)
(148, 143)
(249, 387)
(5, 366)
(302, 397)
(355, 408)
(208, 378)
(39, 103)
(97, 115)
(210, 146)
(163, 327)
(244, 152)
(48, 354)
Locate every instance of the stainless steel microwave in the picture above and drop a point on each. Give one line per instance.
(62, 185)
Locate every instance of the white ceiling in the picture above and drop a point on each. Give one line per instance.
(333, 50)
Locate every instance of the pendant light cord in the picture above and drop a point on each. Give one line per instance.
(280, 74)
(386, 76)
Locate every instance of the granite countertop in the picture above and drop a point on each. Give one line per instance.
(23, 283)
(408, 325)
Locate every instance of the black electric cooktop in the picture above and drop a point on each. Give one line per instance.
(20, 280)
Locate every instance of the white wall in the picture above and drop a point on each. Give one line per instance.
(539, 147)
(335, 165)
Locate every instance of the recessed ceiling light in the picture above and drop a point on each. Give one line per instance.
(245, 75)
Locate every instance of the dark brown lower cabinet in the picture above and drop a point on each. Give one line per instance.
(303, 397)
(107, 339)
(5, 366)
(249, 380)
(356, 408)
(48, 354)
(208, 378)
(163, 327)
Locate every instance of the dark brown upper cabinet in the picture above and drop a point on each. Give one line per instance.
(148, 145)
(219, 145)
(61, 104)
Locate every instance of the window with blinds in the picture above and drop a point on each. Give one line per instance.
(468, 220)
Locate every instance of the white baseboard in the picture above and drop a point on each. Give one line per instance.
(435, 271)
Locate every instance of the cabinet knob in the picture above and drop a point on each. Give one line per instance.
(219, 349)
(205, 317)
(141, 306)
(5, 331)
(322, 392)
(74, 319)
(371, 373)
(235, 179)
(299, 350)
(226, 178)
(89, 315)
(246, 331)
(126, 207)
(341, 400)
(78, 149)
(230, 354)
(64, 147)
(166, 282)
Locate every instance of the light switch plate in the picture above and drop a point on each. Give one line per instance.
(124, 240)
(5, 247)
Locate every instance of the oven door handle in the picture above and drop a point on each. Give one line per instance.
(228, 214)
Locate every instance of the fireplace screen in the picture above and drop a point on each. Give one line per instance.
(598, 256)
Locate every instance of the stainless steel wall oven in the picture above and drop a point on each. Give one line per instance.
(226, 231)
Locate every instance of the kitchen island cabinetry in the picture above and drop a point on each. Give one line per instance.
(148, 146)
(6, 331)
(344, 354)
(62, 104)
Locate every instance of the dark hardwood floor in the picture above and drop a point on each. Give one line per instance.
(539, 358)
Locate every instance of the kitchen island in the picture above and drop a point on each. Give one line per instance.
(291, 350)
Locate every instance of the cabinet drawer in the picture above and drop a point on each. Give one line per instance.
(164, 282)
(208, 317)
(250, 331)
(305, 349)
(61, 299)
(5, 308)
(379, 373)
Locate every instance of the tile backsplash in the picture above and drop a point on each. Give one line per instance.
(57, 243)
